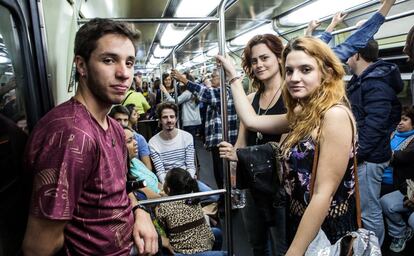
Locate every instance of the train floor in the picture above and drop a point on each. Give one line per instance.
(241, 246)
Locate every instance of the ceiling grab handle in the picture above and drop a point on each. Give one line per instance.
(223, 106)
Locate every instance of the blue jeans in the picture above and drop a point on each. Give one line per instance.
(204, 188)
(394, 210)
(370, 178)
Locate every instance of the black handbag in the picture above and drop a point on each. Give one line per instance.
(259, 168)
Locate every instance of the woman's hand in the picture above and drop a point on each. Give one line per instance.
(227, 151)
(163, 89)
(228, 66)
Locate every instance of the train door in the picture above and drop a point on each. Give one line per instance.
(22, 103)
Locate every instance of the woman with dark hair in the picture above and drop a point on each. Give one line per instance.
(263, 222)
(409, 50)
(167, 83)
(400, 203)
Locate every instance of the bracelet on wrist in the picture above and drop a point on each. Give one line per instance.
(234, 79)
(139, 206)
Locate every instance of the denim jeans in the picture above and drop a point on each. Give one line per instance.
(394, 210)
(204, 188)
(265, 240)
(370, 178)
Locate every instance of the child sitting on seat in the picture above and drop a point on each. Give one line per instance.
(183, 220)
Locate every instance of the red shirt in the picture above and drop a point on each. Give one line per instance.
(79, 176)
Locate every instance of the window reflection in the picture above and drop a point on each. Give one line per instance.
(11, 89)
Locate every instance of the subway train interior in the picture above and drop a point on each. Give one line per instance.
(37, 72)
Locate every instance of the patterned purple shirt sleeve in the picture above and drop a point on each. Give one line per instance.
(61, 158)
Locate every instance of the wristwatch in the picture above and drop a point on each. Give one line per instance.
(140, 206)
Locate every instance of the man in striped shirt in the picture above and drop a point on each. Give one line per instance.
(171, 147)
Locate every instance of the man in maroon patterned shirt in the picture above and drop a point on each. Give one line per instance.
(78, 157)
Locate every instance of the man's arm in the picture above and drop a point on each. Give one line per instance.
(189, 159)
(143, 151)
(158, 165)
(204, 94)
(362, 35)
(146, 160)
(43, 237)
(144, 233)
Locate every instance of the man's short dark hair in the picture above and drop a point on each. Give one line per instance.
(92, 31)
(370, 52)
(118, 109)
(165, 105)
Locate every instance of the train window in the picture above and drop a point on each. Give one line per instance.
(15, 186)
(11, 76)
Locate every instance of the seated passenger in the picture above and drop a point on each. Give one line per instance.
(122, 115)
(132, 117)
(400, 203)
(184, 221)
(138, 170)
(173, 147)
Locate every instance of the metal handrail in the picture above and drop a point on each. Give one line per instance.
(162, 20)
(390, 18)
(181, 197)
(224, 126)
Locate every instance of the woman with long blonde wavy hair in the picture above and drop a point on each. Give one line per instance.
(317, 114)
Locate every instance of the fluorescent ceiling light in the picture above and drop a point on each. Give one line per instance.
(155, 61)
(199, 59)
(244, 38)
(4, 59)
(150, 66)
(317, 10)
(196, 8)
(172, 36)
(161, 52)
(212, 52)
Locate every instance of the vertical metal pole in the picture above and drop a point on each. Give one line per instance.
(223, 100)
(174, 64)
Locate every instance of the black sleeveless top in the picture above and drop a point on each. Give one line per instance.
(278, 108)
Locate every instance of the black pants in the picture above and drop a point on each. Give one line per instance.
(217, 166)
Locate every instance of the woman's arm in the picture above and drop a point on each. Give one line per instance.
(270, 124)
(184, 97)
(335, 146)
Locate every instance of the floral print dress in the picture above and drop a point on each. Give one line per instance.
(297, 174)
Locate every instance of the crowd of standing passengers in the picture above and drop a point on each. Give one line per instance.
(92, 143)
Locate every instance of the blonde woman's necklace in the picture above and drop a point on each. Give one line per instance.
(259, 135)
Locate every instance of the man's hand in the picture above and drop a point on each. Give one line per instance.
(336, 19)
(178, 76)
(312, 25)
(409, 203)
(145, 236)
